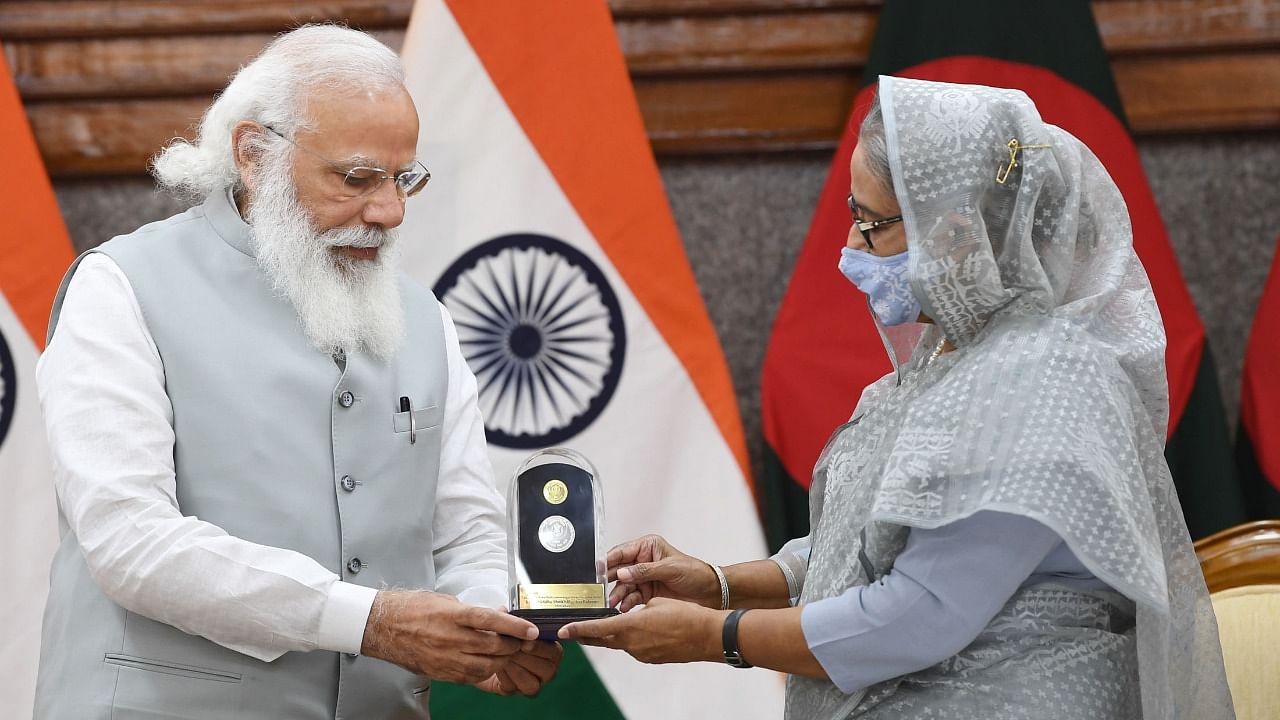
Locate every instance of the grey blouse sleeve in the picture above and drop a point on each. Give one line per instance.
(944, 588)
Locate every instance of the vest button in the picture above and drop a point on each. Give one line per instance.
(354, 565)
(348, 483)
(346, 399)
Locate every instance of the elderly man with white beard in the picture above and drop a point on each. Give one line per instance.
(272, 477)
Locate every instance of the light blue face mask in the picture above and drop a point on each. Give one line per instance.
(884, 281)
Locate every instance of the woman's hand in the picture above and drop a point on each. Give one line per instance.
(663, 631)
(671, 631)
(649, 567)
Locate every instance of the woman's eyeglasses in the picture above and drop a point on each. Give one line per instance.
(866, 226)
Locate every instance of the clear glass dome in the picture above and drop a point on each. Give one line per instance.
(555, 534)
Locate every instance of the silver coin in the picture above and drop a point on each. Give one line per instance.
(556, 533)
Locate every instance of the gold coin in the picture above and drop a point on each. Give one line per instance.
(555, 491)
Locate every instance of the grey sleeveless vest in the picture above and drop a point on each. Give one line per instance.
(272, 438)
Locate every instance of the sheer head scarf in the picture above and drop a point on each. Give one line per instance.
(1054, 405)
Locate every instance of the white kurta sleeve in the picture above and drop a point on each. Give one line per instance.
(470, 515)
(110, 429)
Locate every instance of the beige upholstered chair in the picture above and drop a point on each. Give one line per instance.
(1242, 569)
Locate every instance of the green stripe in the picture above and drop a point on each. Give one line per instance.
(575, 692)
(1200, 458)
(1058, 35)
(785, 503)
(1260, 496)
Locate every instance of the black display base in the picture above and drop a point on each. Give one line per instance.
(549, 622)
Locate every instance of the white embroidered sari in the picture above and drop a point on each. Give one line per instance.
(1053, 406)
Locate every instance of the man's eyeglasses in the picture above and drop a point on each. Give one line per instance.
(361, 181)
(866, 226)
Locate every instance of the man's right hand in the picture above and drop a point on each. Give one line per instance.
(649, 567)
(435, 635)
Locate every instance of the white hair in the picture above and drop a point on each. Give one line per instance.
(875, 147)
(342, 303)
(273, 90)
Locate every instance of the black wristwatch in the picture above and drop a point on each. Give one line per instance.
(732, 655)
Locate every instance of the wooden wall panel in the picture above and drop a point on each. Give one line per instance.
(745, 114)
(1225, 91)
(129, 67)
(1145, 26)
(710, 75)
(52, 19)
(660, 8)
(109, 137)
(132, 67)
(747, 43)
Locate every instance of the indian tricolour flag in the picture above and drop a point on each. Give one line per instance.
(546, 233)
(34, 252)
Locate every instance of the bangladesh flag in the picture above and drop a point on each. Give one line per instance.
(824, 348)
(547, 235)
(1258, 437)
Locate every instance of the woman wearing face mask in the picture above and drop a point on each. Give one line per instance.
(996, 534)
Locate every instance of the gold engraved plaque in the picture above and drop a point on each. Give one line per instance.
(555, 492)
(561, 596)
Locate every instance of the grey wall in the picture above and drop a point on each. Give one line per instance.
(743, 219)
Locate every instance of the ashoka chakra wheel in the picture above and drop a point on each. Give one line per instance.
(543, 333)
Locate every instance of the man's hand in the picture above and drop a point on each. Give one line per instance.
(435, 635)
(649, 567)
(663, 631)
(528, 672)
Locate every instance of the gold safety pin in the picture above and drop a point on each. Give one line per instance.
(1002, 173)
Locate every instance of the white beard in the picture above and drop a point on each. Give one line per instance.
(342, 303)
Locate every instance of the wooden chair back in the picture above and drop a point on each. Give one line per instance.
(1244, 555)
(1247, 554)
(1241, 566)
